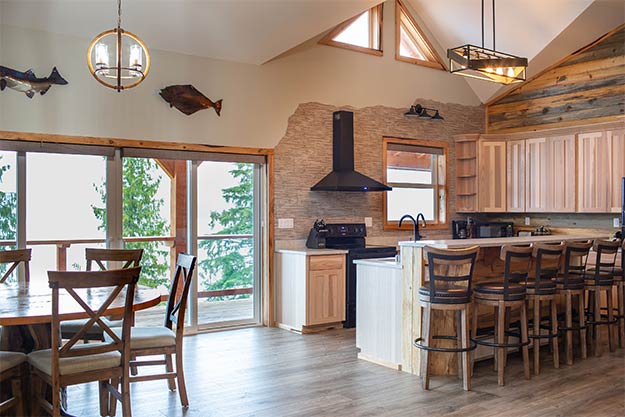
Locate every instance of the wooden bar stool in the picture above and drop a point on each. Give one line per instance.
(570, 283)
(504, 297)
(619, 283)
(543, 289)
(449, 289)
(597, 279)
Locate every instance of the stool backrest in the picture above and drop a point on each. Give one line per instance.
(14, 257)
(517, 263)
(547, 257)
(130, 257)
(179, 293)
(606, 250)
(575, 258)
(450, 269)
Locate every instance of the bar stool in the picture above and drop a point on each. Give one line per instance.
(543, 289)
(597, 279)
(619, 283)
(449, 289)
(504, 297)
(571, 283)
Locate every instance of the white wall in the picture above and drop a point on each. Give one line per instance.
(257, 99)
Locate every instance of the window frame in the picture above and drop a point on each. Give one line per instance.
(378, 23)
(439, 64)
(437, 186)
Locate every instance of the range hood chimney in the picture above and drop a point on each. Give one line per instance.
(343, 177)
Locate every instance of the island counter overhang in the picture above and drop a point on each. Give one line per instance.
(488, 267)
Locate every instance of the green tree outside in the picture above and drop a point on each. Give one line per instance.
(141, 216)
(231, 260)
(8, 214)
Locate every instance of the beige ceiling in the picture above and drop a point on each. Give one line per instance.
(255, 31)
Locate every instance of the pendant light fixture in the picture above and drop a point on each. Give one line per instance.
(487, 64)
(117, 58)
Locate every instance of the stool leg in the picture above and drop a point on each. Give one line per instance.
(499, 351)
(466, 374)
(473, 333)
(608, 297)
(524, 339)
(425, 334)
(495, 337)
(569, 324)
(620, 299)
(596, 330)
(536, 341)
(506, 339)
(582, 324)
(554, 330)
(458, 319)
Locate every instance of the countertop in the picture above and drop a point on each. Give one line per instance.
(499, 241)
(313, 252)
(379, 262)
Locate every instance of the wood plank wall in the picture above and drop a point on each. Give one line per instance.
(586, 87)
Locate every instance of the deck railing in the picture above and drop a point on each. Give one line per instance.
(62, 246)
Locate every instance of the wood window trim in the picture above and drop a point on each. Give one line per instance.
(439, 64)
(392, 225)
(329, 38)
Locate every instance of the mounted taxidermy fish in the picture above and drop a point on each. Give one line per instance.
(27, 82)
(188, 100)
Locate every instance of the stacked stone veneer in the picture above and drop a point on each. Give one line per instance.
(304, 156)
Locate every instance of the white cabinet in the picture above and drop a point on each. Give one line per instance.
(560, 174)
(536, 175)
(515, 169)
(593, 173)
(492, 176)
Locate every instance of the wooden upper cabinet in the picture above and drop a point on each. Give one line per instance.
(617, 143)
(492, 176)
(516, 175)
(594, 172)
(560, 174)
(536, 188)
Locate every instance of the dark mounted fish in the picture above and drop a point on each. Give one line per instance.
(27, 82)
(188, 100)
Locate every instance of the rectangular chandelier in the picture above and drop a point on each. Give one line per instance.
(486, 64)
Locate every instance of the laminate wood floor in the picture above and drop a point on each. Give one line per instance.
(273, 372)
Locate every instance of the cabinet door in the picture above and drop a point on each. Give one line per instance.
(617, 142)
(536, 175)
(516, 175)
(560, 174)
(326, 296)
(492, 176)
(593, 173)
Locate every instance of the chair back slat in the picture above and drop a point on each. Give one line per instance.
(517, 264)
(450, 270)
(129, 257)
(547, 257)
(607, 251)
(575, 259)
(177, 301)
(14, 258)
(116, 281)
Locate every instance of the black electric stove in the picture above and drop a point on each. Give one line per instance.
(351, 237)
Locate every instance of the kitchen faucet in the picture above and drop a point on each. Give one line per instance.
(415, 224)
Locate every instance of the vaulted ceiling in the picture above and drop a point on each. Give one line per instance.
(255, 31)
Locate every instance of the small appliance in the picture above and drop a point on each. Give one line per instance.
(460, 229)
(493, 229)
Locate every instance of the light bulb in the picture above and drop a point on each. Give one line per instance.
(135, 59)
(102, 57)
(489, 69)
(499, 71)
(510, 72)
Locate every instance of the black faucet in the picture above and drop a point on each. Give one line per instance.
(415, 223)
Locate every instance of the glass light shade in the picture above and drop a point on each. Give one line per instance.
(487, 64)
(118, 74)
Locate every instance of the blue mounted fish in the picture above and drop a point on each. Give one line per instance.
(27, 82)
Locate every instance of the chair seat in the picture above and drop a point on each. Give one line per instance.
(10, 360)
(515, 291)
(450, 296)
(42, 360)
(71, 327)
(148, 337)
(545, 288)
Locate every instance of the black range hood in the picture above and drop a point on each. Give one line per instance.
(343, 177)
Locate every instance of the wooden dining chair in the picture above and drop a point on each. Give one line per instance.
(14, 258)
(125, 258)
(70, 363)
(166, 340)
(12, 369)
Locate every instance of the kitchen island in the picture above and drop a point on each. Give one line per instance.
(488, 268)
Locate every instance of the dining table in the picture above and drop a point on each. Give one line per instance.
(26, 311)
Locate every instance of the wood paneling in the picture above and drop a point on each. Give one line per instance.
(587, 86)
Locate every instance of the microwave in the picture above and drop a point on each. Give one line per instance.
(493, 229)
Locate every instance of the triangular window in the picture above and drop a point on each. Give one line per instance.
(411, 45)
(362, 33)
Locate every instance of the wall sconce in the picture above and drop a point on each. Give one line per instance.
(419, 111)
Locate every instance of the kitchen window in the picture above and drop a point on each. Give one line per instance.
(417, 171)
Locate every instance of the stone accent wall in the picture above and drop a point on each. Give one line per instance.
(304, 156)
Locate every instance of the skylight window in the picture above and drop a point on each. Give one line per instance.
(411, 44)
(362, 33)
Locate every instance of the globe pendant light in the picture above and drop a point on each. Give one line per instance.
(487, 64)
(126, 51)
